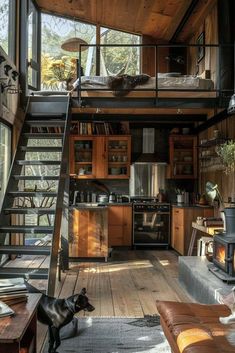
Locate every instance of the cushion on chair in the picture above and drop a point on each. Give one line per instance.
(195, 328)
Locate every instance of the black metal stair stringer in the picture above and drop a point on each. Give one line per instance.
(37, 114)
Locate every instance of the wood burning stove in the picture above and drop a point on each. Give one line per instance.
(224, 253)
(224, 249)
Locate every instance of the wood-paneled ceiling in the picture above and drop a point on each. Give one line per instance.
(155, 18)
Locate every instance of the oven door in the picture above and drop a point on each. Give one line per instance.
(151, 228)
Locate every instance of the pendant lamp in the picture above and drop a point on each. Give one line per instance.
(73, 44)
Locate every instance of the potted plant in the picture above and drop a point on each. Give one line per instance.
(226, 152)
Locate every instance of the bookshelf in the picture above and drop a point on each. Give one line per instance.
(99, 128)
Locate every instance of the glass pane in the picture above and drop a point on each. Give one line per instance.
(220, 254)
(58, 67)
(32, 44)
(83, 152)
(5, 157)
(4, 24)
(119, 60)
(150, 228)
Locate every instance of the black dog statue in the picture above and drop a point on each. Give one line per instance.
(56, 313)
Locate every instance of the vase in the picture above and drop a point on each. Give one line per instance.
(180, 198)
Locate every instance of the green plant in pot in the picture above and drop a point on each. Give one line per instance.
(226, 152)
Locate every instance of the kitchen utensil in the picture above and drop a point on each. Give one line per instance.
(102, 198)
(112, 197)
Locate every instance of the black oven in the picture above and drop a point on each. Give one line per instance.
(151, 224)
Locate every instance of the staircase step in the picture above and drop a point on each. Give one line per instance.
(41, 148)
(30, 210)
(41, 122)
(27, 229)
(34, 273)
(25, 249)
(40, 135)
(32, 193)
(40, 162)
(35, 177)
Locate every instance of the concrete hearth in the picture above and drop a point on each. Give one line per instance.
(199, 282)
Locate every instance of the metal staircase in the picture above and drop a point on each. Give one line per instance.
(34, 201)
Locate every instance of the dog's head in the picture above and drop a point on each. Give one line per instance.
(81, 302)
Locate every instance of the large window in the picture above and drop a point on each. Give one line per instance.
(33, 68)
(7, 27)
(5, 157)
(58, 67)
(119, 60)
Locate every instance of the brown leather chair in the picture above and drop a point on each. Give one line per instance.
(195, 328)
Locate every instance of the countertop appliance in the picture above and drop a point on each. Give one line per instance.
(151, 222)
(112, 197)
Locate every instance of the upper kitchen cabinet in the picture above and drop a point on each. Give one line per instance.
(119, 156)
(183, 157)
(100, 157)
(82, 157)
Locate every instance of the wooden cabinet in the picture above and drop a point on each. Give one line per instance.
(101, 157)
(181, 225)
(88, 232)
(120, 225)
(183, 157)
(82, 156)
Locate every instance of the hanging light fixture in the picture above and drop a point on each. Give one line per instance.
(73, 44)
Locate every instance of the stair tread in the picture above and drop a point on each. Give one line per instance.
(31, 210)
(35, 177)
(26, 229)
(33, 193)
(42, 122)
(41, 148)
(10, 272)
(40, 135)
(39, 162)
(26, 249)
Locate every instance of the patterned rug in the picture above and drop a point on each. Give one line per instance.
(114, 335)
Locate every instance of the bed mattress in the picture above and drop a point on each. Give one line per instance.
(182, 82)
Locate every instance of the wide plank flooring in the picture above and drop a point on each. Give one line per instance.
(128, 285)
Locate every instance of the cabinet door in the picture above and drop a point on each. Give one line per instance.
(127, 225)
(88, 233)
(177, 239)
(118, 155)
(183, 157)
(82, 157)
(120, 226)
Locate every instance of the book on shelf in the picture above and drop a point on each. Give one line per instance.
(5, 310)
(99, 128)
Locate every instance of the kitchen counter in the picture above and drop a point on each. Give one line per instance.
(99, 205)
(187, 205)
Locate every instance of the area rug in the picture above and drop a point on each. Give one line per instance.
(115, 335)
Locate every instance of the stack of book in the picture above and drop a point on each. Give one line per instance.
(213, 222)
(13, 291)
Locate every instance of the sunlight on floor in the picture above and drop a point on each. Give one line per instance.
(118, 267)
(164, 262)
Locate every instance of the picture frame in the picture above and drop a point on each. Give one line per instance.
(200, 49)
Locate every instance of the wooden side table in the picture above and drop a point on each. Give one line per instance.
(206, 230)
(18, 333)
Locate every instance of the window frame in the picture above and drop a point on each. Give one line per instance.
(12, 21)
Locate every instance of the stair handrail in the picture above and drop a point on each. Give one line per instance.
(61, 203)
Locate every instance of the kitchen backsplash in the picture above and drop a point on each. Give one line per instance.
(120, 187)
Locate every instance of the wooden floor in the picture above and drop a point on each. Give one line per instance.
(128, 285)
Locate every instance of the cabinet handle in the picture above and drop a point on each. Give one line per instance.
(177, 228)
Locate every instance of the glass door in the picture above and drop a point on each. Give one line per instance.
(82, 156)
(118, 150)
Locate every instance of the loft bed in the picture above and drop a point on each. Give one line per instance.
(168, 89)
